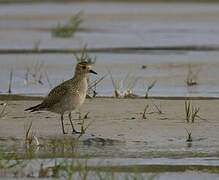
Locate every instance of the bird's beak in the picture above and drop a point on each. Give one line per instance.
(91, 71)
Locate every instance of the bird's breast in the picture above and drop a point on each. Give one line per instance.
(79, 92)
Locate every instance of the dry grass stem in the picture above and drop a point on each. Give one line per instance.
(115, 86)
(194, 113)
(149, 88)
(145, 111)
(30, 137)
(96, 81)
(158, 109)
(83, 127)
(48, 79)
(124, 87)
(26, 76)
(84, 56)
(191, 112)
(10, 82)
(187, 111)
(192, 77)
(82, 123)
(86, 115)
(128, 85)
(35, 74)
(93, 85)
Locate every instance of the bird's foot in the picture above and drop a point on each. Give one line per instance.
(75, 132)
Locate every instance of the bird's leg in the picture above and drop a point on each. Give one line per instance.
(73, 129)
(63, 128)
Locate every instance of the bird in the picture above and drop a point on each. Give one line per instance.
(67, 96)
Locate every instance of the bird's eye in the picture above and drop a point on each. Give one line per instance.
(83, 67)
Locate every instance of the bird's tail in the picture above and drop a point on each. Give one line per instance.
(33, 108)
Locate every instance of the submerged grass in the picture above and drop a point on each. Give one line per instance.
(80, 170)
(64, 160)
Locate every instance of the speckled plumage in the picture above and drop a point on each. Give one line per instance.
(67, 96)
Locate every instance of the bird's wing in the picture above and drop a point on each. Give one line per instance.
(55, 95)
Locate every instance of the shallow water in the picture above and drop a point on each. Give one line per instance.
(169, 70)
(114, 25)
(103, 156)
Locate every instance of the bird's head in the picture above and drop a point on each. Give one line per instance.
(84, 68)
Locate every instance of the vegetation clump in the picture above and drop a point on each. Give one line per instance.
(68, 29)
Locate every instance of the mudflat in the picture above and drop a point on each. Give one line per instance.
(164, 128)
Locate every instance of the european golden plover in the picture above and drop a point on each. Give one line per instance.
(67, 96)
